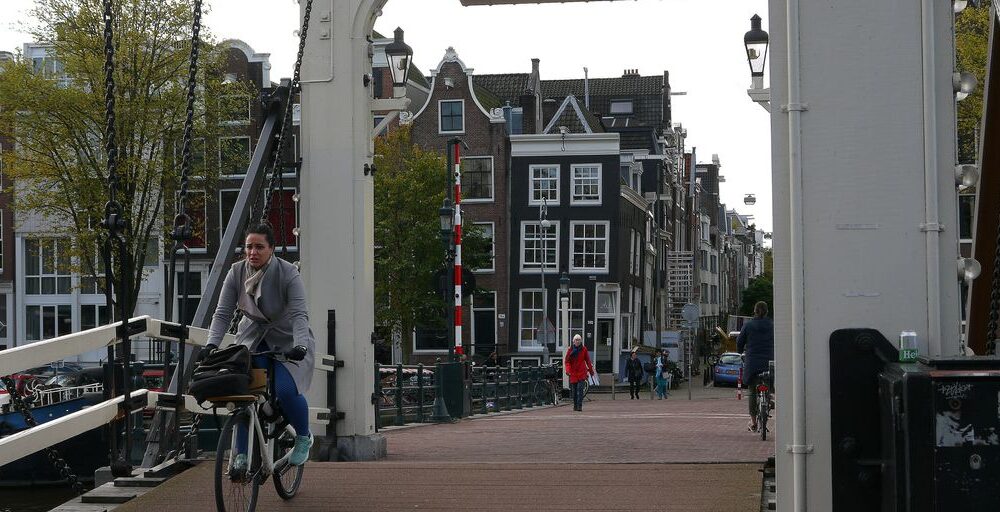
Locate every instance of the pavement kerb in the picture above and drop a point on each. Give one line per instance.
(408, 426)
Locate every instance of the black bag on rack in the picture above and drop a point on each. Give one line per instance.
(224, 372)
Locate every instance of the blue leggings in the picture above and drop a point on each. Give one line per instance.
(293, 404)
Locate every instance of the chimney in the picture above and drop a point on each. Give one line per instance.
(534, 89)
(630, 73)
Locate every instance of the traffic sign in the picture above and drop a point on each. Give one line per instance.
(691, 312)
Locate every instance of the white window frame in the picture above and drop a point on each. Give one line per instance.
(573, 269)
(41, 325)
(236, 122)
(535, 359)
(203, 280)
(58, 241)
(179, 155)
(493, 248)
(560, 347)
(97, 312)
(552, 268)
(249, 155)
(521, 347)
(441, 131)
(552, 201)
(631, 107)
(573, 182)
(204, 238)
(492, 181)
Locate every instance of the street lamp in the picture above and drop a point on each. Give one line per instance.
(447, 217)
(564, 299)
(544, 223)
(755, 42)
(399, 55)
(749, 200)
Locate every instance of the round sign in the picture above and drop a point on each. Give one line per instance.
(691, 312)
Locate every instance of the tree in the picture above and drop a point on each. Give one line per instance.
(760, 288)
(409, 189)
(54, 110)
(972, 32)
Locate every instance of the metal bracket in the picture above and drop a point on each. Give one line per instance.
(799, 448)
(329, 363)
(931, 226)
(795, 107)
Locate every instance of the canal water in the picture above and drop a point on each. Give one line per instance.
(33, 499)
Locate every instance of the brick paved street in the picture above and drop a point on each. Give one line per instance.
(674, 455)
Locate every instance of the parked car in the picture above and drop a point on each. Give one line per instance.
(75, 379)
(727, 369)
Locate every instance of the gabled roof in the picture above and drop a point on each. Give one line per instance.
(574, 117)
(645, 92)
(505, 86)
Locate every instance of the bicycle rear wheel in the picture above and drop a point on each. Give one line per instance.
(287, 477)
(762, 414)
(235, 490)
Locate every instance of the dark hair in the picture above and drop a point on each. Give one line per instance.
(760, 309)
(262, 229)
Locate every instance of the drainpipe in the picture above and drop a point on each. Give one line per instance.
(931, 227)
(586, 89)
(799, 448)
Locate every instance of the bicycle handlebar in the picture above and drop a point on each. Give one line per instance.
(296, 353)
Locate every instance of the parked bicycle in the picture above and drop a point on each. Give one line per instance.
(269, 440)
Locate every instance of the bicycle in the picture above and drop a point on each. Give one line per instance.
(764, 397)
(236, 489)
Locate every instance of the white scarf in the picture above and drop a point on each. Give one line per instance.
(252, 284)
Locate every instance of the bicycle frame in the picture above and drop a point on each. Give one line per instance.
(262, 441)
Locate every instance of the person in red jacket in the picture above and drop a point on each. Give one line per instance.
(578, 367)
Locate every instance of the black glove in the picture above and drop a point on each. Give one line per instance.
(297, 353)
(206, 351)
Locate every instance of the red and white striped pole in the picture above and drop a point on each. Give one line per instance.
(458, 250)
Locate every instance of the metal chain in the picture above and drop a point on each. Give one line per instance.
(110, 143)
(189, 120)
(286, 124)
(52, 454)
(994, 314)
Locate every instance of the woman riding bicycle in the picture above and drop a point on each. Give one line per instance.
(757, 341)
(269, 292)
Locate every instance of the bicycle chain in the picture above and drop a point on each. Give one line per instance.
(52, 454)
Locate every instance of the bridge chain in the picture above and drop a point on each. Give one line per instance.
(994, 311)
(57, 461)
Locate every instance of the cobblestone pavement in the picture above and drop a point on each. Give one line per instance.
(673, 455)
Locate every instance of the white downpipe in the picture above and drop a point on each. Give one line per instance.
(931, 227)
(794, 107)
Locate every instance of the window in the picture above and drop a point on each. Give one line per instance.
(283, 216)
(93, 315)
(703, 257)
(619, 107)
(430, 340)
(193, 295)
(234, 155)
(704, 292)
(586, 184)
(234, 109)
(714, 264)
(477, 178)
(966, 213)
(576, 315)
(635, 179)
(197, 211)
(488, 232)
(378, 119)
(606, 303)
(92, 279)
(452, 118)
(48, 67)
(47, 267)
(539, 246)
(715, 294)
(46, 322)
(589, 246)
(544, 184)
(530, 318)
(197, 155)
(227, 202)
(515, 120)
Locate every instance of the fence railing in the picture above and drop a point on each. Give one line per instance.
(406, 393)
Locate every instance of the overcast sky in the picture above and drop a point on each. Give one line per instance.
(699, 42)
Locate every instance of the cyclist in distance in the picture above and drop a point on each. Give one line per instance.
(756, 342)
(269, 292)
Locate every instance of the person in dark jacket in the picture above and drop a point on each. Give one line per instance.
(633, 370)
(756, 343)
(578, 367)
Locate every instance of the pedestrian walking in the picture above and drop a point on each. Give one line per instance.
(633, 370)
(662, 375)
(578, 367)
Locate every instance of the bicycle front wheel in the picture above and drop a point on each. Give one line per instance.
(236, 485)
(287, 477)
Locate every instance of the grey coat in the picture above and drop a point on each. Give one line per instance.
(283, 301)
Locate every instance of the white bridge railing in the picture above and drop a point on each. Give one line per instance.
(20, 358)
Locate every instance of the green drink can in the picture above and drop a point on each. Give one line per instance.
(907, 347)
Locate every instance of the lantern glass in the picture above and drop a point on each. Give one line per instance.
(756, 41)
(399, 54)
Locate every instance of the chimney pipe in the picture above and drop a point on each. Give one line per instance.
(586, 89)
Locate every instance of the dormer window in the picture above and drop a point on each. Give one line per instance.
(621, 107)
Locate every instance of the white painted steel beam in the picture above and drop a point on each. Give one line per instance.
(26, 442)
(43, 352)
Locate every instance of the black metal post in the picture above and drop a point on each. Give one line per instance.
(378, 394)
(440, 414)
(420, 393)
(399, 395)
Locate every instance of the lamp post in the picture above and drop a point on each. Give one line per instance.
(564, 299)
(755, 42)
(544, 223)
(446, 215)
(399, 55)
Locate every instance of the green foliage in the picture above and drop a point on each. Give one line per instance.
(55, 113)
(972, 31)
(410, 186)
(760, 288)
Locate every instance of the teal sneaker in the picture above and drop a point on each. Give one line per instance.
(300, 454)
(239, 466)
